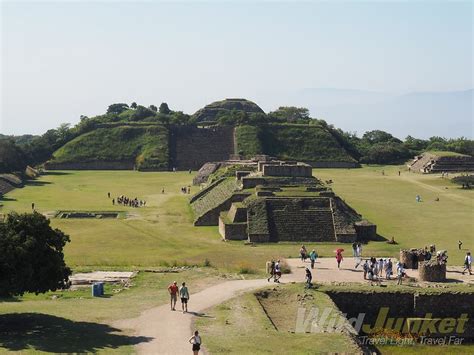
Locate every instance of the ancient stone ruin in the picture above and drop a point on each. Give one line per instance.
(276, 201)
(432, 271)
(432, 163)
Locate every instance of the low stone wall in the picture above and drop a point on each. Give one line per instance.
(94, 165)
(232, 231)
(249, 182)
(237, 213)
(297, 170)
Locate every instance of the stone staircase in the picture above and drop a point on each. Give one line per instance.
(191, 147)
(300, 220)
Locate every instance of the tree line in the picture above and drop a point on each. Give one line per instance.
(374, 147)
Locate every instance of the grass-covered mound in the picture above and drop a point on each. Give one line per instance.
(312, 143)
(212, 111)
(144, 146)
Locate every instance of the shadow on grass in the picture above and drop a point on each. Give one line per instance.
(44, 332)
(37, 183)
(56, 173)
(3, 198)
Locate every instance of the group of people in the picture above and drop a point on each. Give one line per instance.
(186, 189)
(127, 201)
(374, 269)
(183, 293)
(275, 271)
(312, 256)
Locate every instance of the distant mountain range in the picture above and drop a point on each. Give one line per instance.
(419, 114)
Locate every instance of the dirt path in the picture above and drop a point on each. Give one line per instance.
(326, 271)
(170, 330)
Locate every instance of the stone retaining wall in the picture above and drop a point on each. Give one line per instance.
(191, 147)
(232, 231)
(408, 305)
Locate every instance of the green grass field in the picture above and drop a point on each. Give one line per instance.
(162, 234)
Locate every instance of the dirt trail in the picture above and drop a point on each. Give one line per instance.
(170, 330)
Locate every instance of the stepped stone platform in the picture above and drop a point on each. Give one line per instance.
(432, 163)
(279, 201)
(8, 182)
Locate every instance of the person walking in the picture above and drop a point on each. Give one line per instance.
(309, 278)
(196, 342)
(400, 273)
(354, 249)
(277, 272)
(381, 267)
(388, 271)
(339, 257)
(272, 270)
(359, 249)
(184, 295)
(365, 267)
(303, 253)
(173, 291)
(312, 257)
(468, 263)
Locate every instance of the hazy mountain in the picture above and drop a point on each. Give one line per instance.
(420, 114)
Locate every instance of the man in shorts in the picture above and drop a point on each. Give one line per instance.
(184, 295)
(173, 291)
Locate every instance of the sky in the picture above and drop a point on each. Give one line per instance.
(63, 59)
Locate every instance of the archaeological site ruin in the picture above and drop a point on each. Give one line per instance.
(269, 200)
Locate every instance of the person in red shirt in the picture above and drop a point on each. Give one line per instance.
(173, 290)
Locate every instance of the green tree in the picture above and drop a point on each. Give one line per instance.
(141, 113)
(117, 108)
(12, 157)
(290, 114)
(378, 136)
(153, 108)
(133, 105)
(164, 109)
(31, 255)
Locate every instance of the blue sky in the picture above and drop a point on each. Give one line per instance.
(64, 59)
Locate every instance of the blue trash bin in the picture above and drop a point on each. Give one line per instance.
(97, 289)
(101, 288)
